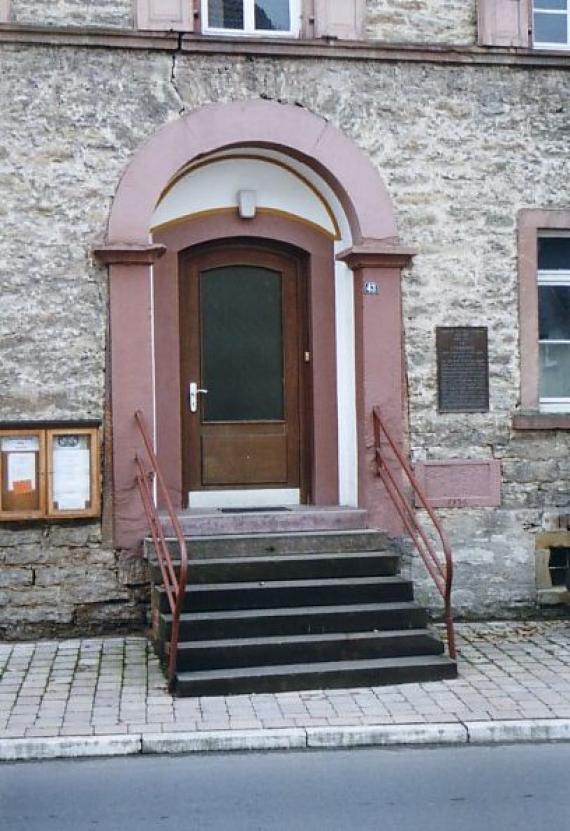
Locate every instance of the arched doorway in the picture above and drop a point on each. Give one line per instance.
(333, 209)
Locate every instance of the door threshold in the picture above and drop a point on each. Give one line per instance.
(260, 499)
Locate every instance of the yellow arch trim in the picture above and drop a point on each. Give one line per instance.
(264, 211)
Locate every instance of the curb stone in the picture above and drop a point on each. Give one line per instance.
(224, 740)
(390, 734)
(508, 732)
(68, 747)
(379, 735)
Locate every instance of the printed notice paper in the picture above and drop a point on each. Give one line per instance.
(71, 477)
(26, 444)
(21, 472)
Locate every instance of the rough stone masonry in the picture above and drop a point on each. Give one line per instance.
(461, 148)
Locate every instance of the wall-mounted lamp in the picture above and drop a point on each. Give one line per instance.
(247, 204)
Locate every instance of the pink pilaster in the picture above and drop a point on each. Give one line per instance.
(131, 377)
(380, 370)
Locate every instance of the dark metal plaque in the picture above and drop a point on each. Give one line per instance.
(462, 369)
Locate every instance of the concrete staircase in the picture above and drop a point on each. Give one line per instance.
(292, 610)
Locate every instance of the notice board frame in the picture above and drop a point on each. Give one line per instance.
(26, 513)
(94, 508)
(46, 433)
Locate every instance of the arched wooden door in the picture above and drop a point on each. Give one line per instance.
(243, 353)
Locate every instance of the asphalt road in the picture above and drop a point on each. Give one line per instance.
(463, 789)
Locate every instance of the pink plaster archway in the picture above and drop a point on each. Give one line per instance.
(293, 130)
(375, 256)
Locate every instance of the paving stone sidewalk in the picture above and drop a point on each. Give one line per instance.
(107, 686)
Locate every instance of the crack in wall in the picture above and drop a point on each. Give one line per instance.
(173, 82)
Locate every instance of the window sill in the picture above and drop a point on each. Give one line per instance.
(256, 35)
(551, 47)
(541, 421)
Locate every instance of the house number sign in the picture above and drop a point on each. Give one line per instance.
(371, 287)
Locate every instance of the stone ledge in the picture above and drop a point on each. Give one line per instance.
(541, 421)
(95, 37)
(555, 596)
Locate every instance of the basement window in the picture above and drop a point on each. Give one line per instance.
(559, 566)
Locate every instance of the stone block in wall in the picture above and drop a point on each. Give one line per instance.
(97, 616)
(23, 535)
(88, 585)
(16, 577)
(532, 448)
(522, 495)
(94, 556)
(550, 520)
(530, 471)
(15, 618)
(560, 496)
(30, 555)
(133, 571)
(74, 534)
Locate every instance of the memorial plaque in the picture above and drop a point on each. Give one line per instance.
(462, 369)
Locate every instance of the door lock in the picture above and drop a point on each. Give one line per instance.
(193, 393)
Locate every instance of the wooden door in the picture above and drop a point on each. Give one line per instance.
(242, 340)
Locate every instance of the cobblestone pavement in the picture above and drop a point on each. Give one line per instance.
(105, 686)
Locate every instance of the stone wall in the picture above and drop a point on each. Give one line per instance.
(63, 148)
(400, 21)
(422, 21)
(462, 149)
(104, 13)
(64, 579)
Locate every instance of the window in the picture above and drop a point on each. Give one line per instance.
(551, 24)
(252, 17)
(335, 19)
(544, 319)
(554, 321)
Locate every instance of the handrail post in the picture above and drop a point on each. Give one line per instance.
(175, 585)
(409, 518)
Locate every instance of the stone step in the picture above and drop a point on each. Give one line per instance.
(295, 620)
(292, 649)
(319, 675)
(279, 593)
(288, 567)
(282, 544)
(297, 518)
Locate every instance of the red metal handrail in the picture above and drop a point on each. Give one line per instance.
(441, 573)
(174, 584)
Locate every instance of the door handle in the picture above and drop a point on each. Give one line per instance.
(193, 393)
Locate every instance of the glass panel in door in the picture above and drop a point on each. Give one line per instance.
(242, 343)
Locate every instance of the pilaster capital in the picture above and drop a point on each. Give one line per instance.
(376, 253)
(129, 253)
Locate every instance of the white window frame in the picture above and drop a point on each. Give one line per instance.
(538, 44)
(557, 277)
(249, 29)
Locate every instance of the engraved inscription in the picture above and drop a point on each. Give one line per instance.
(462, 369)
